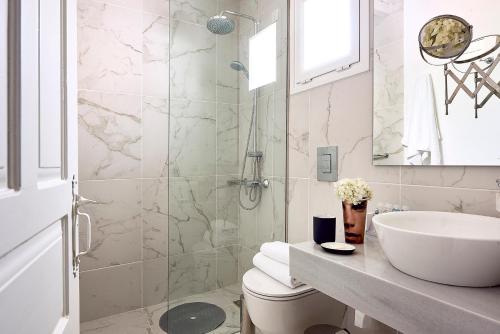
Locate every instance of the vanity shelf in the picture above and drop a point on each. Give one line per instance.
(367, 282)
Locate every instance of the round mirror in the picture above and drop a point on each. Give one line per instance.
(445, 36)
(482, 48)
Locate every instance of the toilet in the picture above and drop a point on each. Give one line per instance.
(277, 309)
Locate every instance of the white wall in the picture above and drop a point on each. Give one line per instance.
(466, 140)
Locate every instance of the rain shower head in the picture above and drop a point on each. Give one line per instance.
(220, 24)
(238, 66)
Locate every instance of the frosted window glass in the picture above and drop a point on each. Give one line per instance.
(262, 56)
(327, 36)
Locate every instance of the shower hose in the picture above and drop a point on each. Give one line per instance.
(255, 192)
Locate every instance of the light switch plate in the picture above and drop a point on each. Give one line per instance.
(327, 163)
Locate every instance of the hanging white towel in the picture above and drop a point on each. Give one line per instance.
(276, 250)
(275, 269)
(421, 138)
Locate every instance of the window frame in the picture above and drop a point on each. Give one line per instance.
(297, 84)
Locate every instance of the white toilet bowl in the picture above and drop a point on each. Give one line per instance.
(276, 309)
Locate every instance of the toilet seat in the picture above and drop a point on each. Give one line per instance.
(262, 286)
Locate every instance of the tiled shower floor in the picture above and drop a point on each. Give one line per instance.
(145, 320)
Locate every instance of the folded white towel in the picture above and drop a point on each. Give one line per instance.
(422, 139)
(275, 269)
(276, 250)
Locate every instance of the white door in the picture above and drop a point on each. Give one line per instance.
(38, 161)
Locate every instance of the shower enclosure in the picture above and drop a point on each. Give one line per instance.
(227, 157)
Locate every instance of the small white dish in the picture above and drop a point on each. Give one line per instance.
(338, 248)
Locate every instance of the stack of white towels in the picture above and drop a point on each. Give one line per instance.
(274, 260)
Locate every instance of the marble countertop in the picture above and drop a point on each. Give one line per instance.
(367, 282)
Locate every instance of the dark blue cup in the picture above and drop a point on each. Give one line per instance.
(324, 229)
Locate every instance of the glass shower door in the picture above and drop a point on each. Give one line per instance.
(227, 158)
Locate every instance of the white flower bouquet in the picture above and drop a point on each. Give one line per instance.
(353, 191)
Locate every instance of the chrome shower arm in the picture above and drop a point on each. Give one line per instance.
(248, 17)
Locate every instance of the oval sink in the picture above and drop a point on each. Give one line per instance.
(443, 247)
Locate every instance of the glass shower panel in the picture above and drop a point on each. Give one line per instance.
(227, 157)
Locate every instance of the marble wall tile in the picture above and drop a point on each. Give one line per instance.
(265, 217)
(248, 228)
(132, 4)
(244, 117)
(124, 323)
(227, 78)
(384, 193)
(271, 212)
(266, 107)
(246, 29)
(109, 135)
(279, 140)
(279, 208)
(298, 210)
(192, 214)
(158, 7)
(388, 128)
(227, 222)
(154, 218)
(192, 62)
(155, 281)
(245, 261)
(388, 77)
(109, 291)
(233, 5)
(116, 222)
(298, 135)
(227, 139)
(191, 273)
(347, 122)
(480, 202)
(192, 138)
(227, 266)
(155, 78)
(452, 176)
(193, 11)
(155, 139)
(109, 47)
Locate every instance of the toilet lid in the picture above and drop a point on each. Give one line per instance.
(258, 282)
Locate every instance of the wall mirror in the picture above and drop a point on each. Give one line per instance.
(436, 91)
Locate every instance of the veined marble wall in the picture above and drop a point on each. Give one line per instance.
(211, 239)
(341, 113)
(161, 121)
(123, 146)
(388, 82)
(204, 127)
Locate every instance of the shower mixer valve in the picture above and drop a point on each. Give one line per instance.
(250, 183)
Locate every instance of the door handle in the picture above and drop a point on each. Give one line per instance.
(78, 201)
(89, 231)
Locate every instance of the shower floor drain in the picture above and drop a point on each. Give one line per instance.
(192, 318)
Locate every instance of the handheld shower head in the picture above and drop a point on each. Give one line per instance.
(238, 66)
(220, 24)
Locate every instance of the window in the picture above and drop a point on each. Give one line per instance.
(262, 57)
(330, 41)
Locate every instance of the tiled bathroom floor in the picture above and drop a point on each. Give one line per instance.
(145, 320)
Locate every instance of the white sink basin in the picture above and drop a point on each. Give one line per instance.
(442, 247)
